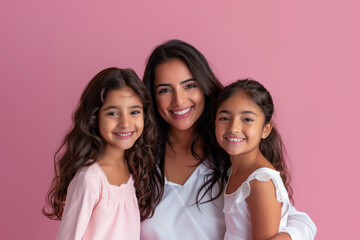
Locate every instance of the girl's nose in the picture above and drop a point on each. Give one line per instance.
(123, 121)
(235, 125)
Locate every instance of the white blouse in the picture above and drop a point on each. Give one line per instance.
(177, 217)
(237, 215)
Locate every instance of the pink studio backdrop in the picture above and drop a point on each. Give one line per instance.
(305, 52)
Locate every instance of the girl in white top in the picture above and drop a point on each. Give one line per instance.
(255, 207)
(102, 186)
(191, 177)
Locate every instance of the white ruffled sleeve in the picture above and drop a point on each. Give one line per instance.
(82, 196)
(299, 226)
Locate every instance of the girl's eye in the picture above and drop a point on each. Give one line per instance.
(223, 119)
(248, 120)
(135, 112)
(164, 90)
(112, 114)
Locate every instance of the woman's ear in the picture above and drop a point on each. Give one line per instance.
(267, 129)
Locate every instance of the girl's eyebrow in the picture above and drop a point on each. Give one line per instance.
(117, 108)
(169, 85)
(248, 112)
(243, 112)
(224, 111)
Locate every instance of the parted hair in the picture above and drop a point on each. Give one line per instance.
(83, 144)
(209, 84)
(272, 146)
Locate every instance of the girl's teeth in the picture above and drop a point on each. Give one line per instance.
(123, 134)
(182, 112)
(235, 139)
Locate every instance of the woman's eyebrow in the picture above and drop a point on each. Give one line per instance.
(169, 85)
(163, 85)
(187, 80)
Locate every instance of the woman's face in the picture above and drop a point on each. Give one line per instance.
(179, 99)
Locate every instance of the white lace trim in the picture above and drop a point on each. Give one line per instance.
(261, 174)
(107, 190)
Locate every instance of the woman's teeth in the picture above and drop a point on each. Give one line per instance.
(182, 112)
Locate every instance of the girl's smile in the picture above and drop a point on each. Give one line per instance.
(239, 125)
(124, 135)
(121, 119)
(234, 140)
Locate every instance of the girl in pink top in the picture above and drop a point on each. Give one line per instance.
(103, 159)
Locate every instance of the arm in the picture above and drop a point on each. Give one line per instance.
(300, 226)
(82, 196)
(265, 210)
(282, 236)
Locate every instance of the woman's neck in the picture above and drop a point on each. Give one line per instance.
(179, 160)
(181, 139)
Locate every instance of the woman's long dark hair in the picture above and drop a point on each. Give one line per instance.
(209, 84)
(271, 147)
(83, 144)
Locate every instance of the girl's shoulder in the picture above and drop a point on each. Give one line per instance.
(90, 175)
(87, 181)
(263, 183)
(263, 174)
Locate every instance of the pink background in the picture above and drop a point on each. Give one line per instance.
(305, 52)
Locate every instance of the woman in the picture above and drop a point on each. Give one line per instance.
(191, 180)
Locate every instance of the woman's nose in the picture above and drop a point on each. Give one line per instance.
(179, 97)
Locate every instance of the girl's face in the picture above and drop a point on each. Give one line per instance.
(179, 99)
(121, 119)
(239, 125)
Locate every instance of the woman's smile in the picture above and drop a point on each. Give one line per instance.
(182, 113)
(179, 99)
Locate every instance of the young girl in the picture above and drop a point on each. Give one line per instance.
(255, 207)
(102, 158)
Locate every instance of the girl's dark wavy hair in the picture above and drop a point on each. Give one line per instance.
(209, 84)
(271, 147)
(83, 144)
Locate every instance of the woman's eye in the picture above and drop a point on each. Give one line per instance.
(191, 86)
(164, 90)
